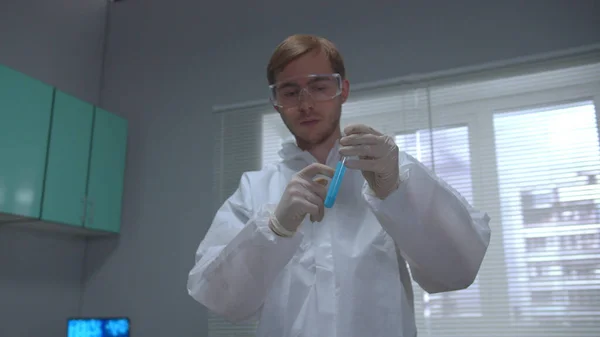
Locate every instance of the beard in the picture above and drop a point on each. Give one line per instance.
(306, 142)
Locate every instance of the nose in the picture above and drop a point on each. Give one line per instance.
(305, 99)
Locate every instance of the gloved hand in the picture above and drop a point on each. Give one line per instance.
(378, 158)
(301, 196)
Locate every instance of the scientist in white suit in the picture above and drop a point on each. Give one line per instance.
(274, 253)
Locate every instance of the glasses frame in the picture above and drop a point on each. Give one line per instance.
(272, 87)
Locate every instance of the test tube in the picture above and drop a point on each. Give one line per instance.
(334, 184)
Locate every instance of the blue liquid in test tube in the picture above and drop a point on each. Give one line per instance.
(336, 181)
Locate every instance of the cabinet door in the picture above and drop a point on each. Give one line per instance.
(107, 171)
(68, 158)
(25, 109)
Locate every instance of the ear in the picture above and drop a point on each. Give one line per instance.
(345, 90)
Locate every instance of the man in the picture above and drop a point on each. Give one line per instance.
(340, 271)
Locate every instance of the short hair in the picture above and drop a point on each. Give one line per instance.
(295, 46)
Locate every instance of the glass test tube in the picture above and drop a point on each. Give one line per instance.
(335, 183)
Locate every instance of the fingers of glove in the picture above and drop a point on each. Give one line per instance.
(300, 187)
(310, 192)
(313, 169)
(367, 145)
(311, 203)
(311, 209)
(321, 212)
(320, 201)
(318, 189)
(361, 139)
(321, 181)
(360, 128)
(370, 165)
(371, 151)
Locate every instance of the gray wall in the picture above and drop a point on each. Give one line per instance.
(169, 62)
(60, 43)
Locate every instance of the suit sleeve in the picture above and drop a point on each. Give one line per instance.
(441, 236)
(239, 258)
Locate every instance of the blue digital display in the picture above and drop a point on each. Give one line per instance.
(98, 327)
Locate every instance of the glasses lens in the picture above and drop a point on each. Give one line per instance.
(318, 87)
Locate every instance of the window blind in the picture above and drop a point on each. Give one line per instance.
(238, 147)
(521, 144)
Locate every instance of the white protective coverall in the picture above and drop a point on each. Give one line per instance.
(345, 276)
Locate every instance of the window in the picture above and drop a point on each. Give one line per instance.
(548, 170)
(522, 145)
(446, 151)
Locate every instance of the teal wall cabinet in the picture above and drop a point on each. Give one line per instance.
(62, 160)
(68, 158)
(106, 172)
(25, 112)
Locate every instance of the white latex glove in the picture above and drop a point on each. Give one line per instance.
(378, 157)
(303, 196)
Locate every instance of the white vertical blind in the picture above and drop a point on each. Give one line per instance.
(524, 148)
(238, 148)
